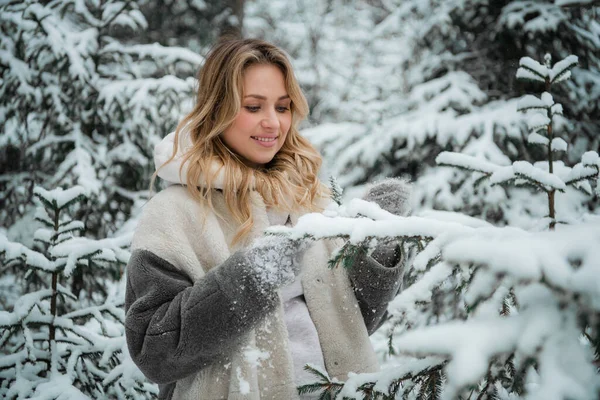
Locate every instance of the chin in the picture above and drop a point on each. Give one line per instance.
(261, 161)
(264, 161)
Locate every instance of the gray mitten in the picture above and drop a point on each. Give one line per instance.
(391, 194)
(276, 260)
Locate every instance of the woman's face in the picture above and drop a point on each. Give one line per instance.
(260, 128)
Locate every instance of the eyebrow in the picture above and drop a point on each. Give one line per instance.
(258, 96)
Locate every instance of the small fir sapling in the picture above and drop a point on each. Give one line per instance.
(543, 116)
(54, 344)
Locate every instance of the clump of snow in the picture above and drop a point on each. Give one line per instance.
(244, 385)
(556, 109)
(255, 356)
(558, 144)
(590, 158)
(538, 121)
(536, 138)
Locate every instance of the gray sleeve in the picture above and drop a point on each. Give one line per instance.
(376, 280)
(174, 327)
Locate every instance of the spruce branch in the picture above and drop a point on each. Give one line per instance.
(537, 107)
(45, 221)
(529, 69)
(336, 190)
(541, 186)
(564, 69)
(329, 389)
(590, 172)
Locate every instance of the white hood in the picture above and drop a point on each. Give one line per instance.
(170, 171)
(162, 152)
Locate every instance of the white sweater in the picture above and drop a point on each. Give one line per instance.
(302, 334)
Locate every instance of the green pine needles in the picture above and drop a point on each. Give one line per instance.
(336, 190)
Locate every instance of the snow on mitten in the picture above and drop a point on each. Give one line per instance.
(276, 259)
(391, 194)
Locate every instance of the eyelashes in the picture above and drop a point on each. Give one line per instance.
(254, 109)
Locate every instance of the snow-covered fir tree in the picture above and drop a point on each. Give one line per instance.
(55, 344)
(489, 312)
(79, 106)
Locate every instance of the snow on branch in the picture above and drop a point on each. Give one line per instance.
(530, 173)
(69, 254)
(590, 158)
(551, 275)
(344, 223)
(538, 122)
(464, 161)
(531, 102)
(532, 70)
(587, 169)
(137, 92)
(535, 256)
(558, 144)
(393, 376)
(16, 252)
(23, 307)
(503, 174)
(581, 172)
(536, 138)
(562, 69)
(59, 197)
(118, 16)
(556, 109)
(155, 52)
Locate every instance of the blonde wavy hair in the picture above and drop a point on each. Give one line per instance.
(289, 182)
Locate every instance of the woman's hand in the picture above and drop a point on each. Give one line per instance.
(392, 195)
(276, 259)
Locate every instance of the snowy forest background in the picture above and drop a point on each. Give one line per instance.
(503, 296)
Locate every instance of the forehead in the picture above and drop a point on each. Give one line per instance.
(264, 79)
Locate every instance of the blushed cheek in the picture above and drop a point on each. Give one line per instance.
(285, 125)
(285, 130)
(244, 122)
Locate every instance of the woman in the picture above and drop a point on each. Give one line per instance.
(215, 310)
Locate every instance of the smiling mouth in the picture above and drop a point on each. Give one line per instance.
(264, 139)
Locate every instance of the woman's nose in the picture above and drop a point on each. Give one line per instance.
(270, 121)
